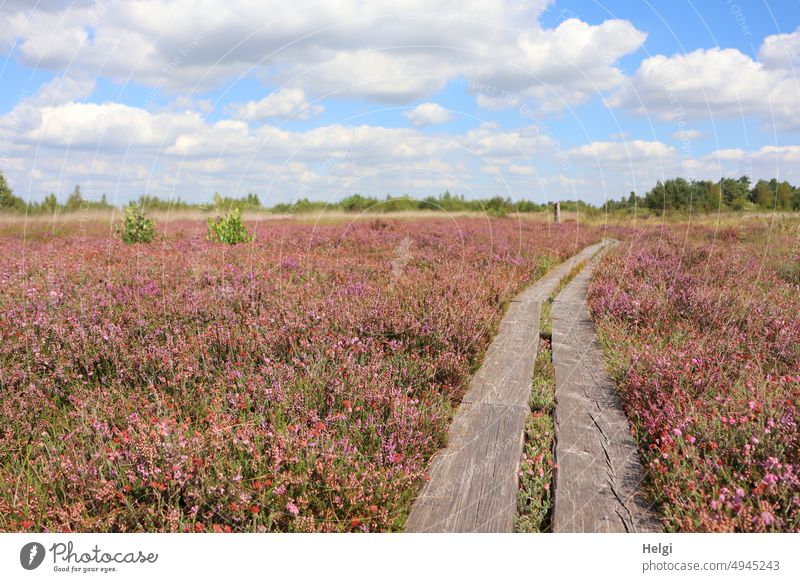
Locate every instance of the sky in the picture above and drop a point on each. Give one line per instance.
(536, 100)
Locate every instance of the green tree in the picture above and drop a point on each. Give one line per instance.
(50, 203)
(7, 199)
(75, 200)
(764, 197)
(713, 196)
(784, 196)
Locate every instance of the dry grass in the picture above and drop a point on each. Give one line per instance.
(95, 221)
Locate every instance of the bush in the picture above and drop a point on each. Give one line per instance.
(228, 229)
(136, 227)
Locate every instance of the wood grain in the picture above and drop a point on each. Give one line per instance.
(598, 473)
(473, 481)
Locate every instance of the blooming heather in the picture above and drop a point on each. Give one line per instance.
(297, 383)
(703, 334)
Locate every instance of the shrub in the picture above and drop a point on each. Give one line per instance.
(228, 229)
(136, 227)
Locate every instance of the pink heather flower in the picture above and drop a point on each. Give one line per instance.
(714, 505)
(691, 439)
(770, 479)
(752, 404)
(767, 518)
(754, 440)
(292, 508)
(676, 432)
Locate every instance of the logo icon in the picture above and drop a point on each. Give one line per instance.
(31, 555)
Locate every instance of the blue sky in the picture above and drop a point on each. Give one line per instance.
(538, 100)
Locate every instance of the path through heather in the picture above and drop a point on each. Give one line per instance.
(598, 473)
(473, 481)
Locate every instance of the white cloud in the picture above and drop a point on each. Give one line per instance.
(497, 50)
(488, 142)
(427, 114)
(565, 181)
(284, 103)
(110, 126)
(625, 152)
(125, 151)
(63, 90)
(718, 83)
(109, 145)
(686, 134)
(520, 170)
(356, 48)
(781, 51)
(782, 162)
(493, 103)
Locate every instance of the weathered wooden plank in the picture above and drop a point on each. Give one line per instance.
(473, 481)
(598, 474)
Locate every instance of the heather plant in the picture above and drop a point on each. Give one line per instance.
(703, 338)
(135, 226)
(228, 229)
(301, 383)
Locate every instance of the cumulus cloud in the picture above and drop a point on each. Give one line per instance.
(110, 126)
(716, 83)
(488, 142)
(375, 52)
(767, 162)
(781, 51)
(686, 134)
(126, 150)
(614, 152)
(493, 103)
(520, 170)
(427, 114)
(370, 49)
(283, 103)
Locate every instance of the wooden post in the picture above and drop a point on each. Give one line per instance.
(558, 212)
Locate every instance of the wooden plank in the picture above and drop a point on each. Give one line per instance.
(473, 481)
(598, 473)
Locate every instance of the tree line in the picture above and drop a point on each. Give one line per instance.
(675, 194)
(75, 201)
(705, 195)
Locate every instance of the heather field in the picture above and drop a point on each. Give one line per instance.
(303, 381)
(701, 327)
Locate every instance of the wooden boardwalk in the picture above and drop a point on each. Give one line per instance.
(473, 481)
(598, 473)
